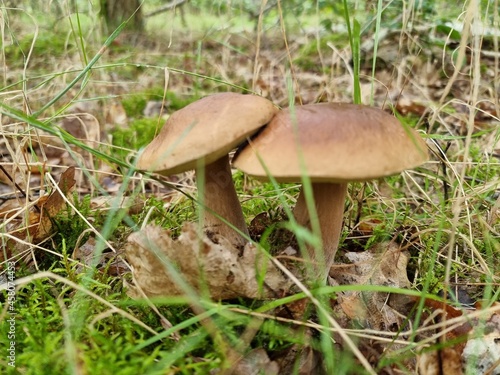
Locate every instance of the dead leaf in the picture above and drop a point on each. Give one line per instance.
(301, 359)
(218, 268)
(439, 362)
(406, 106)
(384, 264)
(255, 362)
(108, 261)
(477, 353)
(55, 203)
(367, 226)
(40, 218)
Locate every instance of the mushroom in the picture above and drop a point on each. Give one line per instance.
(333, 144)
(201, 135)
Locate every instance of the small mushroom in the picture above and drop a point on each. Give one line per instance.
(202, 134)
(333, 144)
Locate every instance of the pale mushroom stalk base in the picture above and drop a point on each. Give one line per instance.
(221, 198)
(329, 201)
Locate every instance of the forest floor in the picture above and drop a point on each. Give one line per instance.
(416, 282)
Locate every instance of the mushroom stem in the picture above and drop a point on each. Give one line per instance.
(220, 197)
(329, 201)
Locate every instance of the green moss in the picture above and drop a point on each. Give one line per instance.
(139, 133)
(105, 346)
(170, 217)
(46, 44)
(134, 104)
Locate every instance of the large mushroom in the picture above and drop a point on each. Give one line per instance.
(333, 144)
(201, 135)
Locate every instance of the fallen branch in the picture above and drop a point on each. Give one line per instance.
(166, 7)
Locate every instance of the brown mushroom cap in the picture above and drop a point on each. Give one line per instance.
(339, 143)
(206, 129)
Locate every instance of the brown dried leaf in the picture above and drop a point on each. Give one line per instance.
(406, 106)
(440, 362)
(367, 226)
(108, 261)
(55, 203)
(480, 354)
(384, 264)
(429, 363)
(40, 222)
(255, 362)
(218, 268)
(301, 359)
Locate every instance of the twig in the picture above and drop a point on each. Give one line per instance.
(166, 7)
